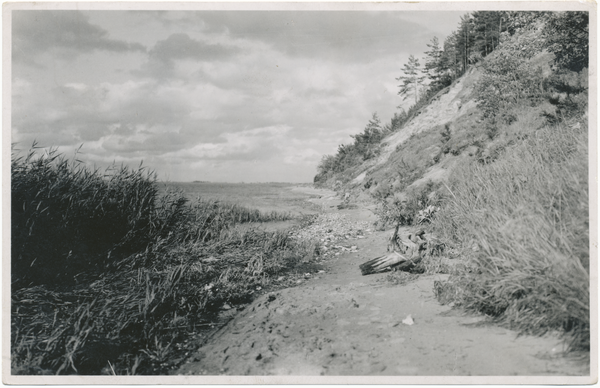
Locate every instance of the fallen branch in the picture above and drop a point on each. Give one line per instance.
(406, 251)
(382, 263)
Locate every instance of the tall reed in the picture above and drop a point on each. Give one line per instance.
(67, 219)
(110, 277)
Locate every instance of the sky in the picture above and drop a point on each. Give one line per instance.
(224, 96)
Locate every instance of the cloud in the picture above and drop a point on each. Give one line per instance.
(36, 32)
(222, 96)
(335, 36)
(180, 47)
(248, 145)
(91, 112)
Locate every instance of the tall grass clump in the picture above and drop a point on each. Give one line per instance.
(108, 277)
(67, 219)
(522, 222)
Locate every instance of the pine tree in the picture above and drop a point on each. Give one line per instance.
(366, 143)
(487, 27)
(449, 62)
(465, 41)
(433, 62)
(412, 78)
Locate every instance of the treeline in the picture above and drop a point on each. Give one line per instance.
(366, 145)
(564, 34)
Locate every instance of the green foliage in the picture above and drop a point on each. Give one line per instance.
(108, 277)
(487, 28)
(523, 223)
(433, 66)
(366, 145)
(509, 78)
(567, 37)
(412, 79)
(392, 210)
(396, 122)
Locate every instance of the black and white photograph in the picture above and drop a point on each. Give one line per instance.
(285, 193)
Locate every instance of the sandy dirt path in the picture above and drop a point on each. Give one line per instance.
(340, 323)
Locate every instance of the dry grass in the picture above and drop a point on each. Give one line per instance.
(522, 223)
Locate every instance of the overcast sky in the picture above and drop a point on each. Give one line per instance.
(210, 95)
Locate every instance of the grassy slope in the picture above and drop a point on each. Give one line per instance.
(514, 205)
(522, 224)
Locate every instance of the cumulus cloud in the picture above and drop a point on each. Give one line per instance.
(217, 96)
(248, 145)
(180, 47)
(337, 36)
(91, 112)
(36, 32)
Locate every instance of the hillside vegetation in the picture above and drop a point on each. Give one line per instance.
(493, 160)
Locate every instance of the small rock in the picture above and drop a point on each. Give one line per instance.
(226, 307)
(408, 320)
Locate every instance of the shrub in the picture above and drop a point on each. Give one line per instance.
(567, 37)
(409, 209)
(508, 77)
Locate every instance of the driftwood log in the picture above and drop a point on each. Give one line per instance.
(405, 251)
(384, 263)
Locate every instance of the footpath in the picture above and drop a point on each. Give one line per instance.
(340, 323)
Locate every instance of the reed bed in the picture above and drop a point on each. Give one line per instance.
(109, 277)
